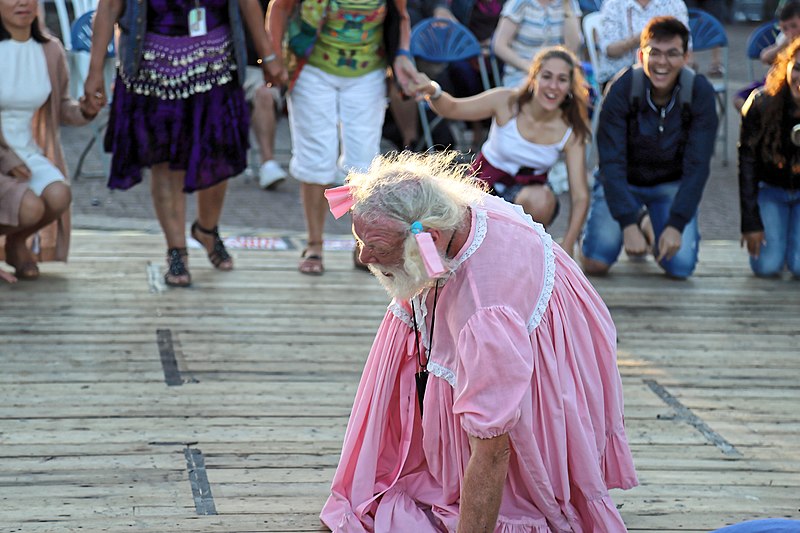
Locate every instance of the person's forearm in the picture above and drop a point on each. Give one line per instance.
(107, 14)
(256, 26)
(620, 48)
(509, 57)
(579, 207)
(482, 490)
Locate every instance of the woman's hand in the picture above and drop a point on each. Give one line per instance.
(422, 87)
(754, 240)
(94, 94)
(88, 111)
(21, 172)
(274, 72)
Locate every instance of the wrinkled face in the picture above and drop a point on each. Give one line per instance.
(793, 77)
(553, 83)
(381, 247)
(790, 28)
(662, 62)
(18, 13)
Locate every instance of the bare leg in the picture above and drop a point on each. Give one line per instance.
(315, 210)
(539, 202)
(264, 121)
(209, 211)
(31, 212)
(405, 115)
(169, 201)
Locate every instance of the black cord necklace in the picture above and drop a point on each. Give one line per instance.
(421, 376)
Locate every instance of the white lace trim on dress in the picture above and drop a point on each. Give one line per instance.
(442, 372)
(404, 316)
(549, 269)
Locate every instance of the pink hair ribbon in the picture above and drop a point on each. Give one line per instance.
(340, 200)
(427, 249)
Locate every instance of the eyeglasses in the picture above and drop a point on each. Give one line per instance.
(671, 55)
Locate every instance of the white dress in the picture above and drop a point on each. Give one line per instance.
(24, 88)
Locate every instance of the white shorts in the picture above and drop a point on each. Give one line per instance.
(336, 124)
(254, 78)
(43, 172)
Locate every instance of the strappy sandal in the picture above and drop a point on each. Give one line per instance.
(218, 255)
(177, 274)
(311, 264)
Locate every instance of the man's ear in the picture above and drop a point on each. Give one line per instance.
(436, 235)
(640, 56)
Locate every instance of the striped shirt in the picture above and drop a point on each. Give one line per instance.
(538, 26)
(622, 19)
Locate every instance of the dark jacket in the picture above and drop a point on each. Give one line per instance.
(646, 149)
(133, 26)
(753, 167)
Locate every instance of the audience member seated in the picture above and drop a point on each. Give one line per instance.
(531, 126)
(655, 148)
(715, 8)
(34, 102)
(789, 24)
(622, 24)
(266, 102)
(527, 26)
(769, 169)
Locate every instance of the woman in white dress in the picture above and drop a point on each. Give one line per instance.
(34, 101)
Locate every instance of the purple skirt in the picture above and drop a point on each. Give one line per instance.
(205, 134)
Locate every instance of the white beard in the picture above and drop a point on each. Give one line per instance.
(400, 285)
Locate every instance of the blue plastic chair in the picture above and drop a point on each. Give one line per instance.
(760, 38)
(440, 40)
(707, 33)
(81, 37)
(589, 6)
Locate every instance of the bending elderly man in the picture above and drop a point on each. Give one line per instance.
(520, 426)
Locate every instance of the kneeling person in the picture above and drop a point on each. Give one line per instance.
(655, 140)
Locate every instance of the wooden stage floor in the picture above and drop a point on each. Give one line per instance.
(222, 407)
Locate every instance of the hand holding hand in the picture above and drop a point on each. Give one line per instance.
(406, 74)
(668, 243)
(754, 241)
(274, 72)
(94, 91)
(21, 172)
(634, 241)
(421, 87)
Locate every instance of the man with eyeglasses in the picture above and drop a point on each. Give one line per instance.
(655, 150)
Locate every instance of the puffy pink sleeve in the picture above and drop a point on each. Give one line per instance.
(493, 373)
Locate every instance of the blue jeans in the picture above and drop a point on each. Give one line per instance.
(780, 215)
(602, 236)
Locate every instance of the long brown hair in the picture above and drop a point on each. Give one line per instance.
(776, 94)
(575, 107)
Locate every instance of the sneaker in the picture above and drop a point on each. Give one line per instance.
(270, 175)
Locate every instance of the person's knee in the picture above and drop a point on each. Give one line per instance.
(539, 202)
(31, 210)
(679, 267)
(262, 99)
(768, 267)
(57, 197)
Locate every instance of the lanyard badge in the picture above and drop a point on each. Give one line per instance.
(197, 20)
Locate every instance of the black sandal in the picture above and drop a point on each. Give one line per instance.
(218, 254)
(176, 268)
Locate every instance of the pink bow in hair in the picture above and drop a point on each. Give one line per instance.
(340, 200)
(427, 249)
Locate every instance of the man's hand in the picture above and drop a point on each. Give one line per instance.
(634, 241)
(668, 243)
(21, 172)
(405, 74)
(754, 241)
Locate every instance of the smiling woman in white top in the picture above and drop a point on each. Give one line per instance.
(33, 101)
(531, 126)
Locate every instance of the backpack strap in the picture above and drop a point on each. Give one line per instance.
(686, 82)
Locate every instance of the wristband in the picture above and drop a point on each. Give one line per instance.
(437, 91)
(267, 58)
(404, 52)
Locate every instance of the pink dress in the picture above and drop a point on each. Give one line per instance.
(522, 345)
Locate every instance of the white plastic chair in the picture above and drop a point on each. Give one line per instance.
(591, 26)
